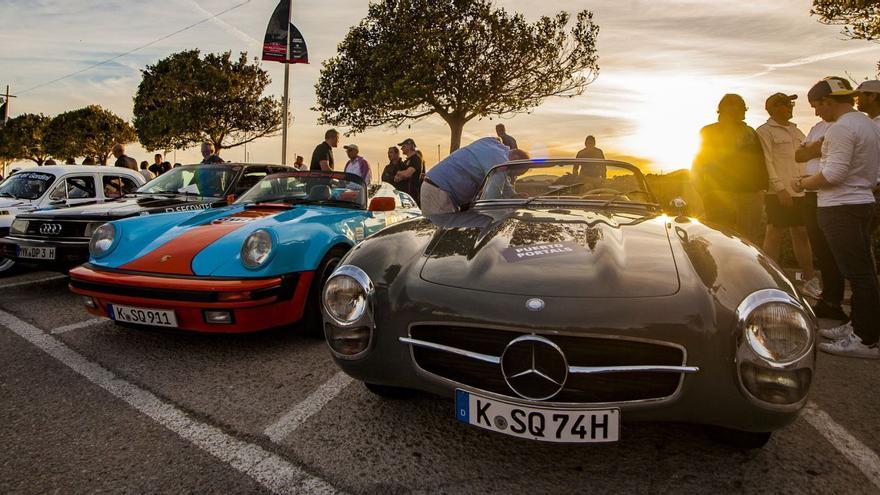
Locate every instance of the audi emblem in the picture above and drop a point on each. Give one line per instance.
(50, 229)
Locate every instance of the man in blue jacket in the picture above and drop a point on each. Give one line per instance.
(456, 180)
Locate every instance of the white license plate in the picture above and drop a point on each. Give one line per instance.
(142, 316)
(538, 423)
(36, 253)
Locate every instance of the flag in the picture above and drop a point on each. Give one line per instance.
(276, 41)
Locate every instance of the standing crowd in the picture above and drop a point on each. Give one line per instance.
(822, 189)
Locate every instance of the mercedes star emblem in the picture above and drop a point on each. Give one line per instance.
(50, 229)
(534, 367)
(535, 304)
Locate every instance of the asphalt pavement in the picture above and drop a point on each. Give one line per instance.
(87, 407)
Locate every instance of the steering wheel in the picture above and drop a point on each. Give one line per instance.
(603, 190)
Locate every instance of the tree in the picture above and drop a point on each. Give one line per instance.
(22, 138)
(89, 131)
(185, 99)
(860, 18)
(459, 59)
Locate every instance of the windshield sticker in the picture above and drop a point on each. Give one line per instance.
(34, 175)
(535, 251)
(202, 206)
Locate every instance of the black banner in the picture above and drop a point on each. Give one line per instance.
(275, 42)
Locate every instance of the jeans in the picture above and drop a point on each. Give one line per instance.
(847, 229)
(832, 279)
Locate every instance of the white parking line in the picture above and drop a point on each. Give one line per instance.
(270, 470)
(77, 326)
(33, 282)
(308, 407)
(855, 451)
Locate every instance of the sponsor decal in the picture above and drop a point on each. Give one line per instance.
(358, 233)
(534, 251)
(195, 207)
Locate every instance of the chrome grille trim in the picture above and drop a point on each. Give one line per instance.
(453, 350)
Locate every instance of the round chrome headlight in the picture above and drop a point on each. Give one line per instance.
(778, 332)
(256, 249)
(102, 240)
(345, 299)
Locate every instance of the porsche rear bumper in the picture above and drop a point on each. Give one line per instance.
(254, 304)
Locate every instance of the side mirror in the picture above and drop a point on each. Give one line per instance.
(678, 206)
(382, 203)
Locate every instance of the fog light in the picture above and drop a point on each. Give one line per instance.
(219, 317)
(90, 302)
(776, 386)
(349, 341)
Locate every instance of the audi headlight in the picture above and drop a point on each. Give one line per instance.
(103, 240)
(257, 249)
(19, 226)
(91, 228)
(778, 332)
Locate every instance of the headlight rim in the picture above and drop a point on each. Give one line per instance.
(366, 284)
(762, 297)
(116, 235)
(269, 257)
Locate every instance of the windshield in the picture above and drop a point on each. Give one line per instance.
(335, 188)
(195, 180)
(591, 180)
(26, 185)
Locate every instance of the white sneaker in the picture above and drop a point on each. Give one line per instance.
(851, 346)
(837, 333)
(812, 288)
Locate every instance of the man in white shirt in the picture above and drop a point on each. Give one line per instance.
(830, 304)
(868, 101)
(356, 164)
(785, 208)
(848, 171)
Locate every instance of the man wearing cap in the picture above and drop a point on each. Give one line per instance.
(357, 165)
(729, 171)
(455, 181)
(868, 100)
(407, 179)
(848, 171)
(785, 209)
(322, 156)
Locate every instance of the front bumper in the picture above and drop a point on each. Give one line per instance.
(255, 304)
(67, 253)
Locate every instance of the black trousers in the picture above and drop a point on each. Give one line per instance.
(848, 231)
(832, 279)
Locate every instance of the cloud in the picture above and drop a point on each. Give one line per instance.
(812, 59)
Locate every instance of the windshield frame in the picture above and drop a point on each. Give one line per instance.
(339, 175)
(534, 164)
(23, 175)
(218, 166)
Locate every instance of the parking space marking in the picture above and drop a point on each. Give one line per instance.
(77, 326)
(33, 282)
(312, 404)
(268, 469)
(855, 451)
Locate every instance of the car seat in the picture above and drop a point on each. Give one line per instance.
(319, 193)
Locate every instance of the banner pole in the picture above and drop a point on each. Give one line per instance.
(286, 87)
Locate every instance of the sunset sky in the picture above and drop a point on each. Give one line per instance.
(664, 65)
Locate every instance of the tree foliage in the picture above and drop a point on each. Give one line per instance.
(22, 138)
(860, 18)
(184, 99)
(89, 131)
(459, 59)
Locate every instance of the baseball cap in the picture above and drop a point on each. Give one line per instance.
(777, 98)
(408, 141)
(872, 86)
(351, 147)
(830, 86)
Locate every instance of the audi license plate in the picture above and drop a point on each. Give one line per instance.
(142, 316)
(36, 253)
(538, 423)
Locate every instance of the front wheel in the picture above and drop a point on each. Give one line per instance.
(312, 319)
(7, 267)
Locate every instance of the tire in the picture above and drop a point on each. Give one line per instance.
(8, 267)
(312, 319)
(387, 392)
(746, 440)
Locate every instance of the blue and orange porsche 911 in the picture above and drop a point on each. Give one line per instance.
(257, 264)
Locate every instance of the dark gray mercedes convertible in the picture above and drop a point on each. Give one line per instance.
(564, 301)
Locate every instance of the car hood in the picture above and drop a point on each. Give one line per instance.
(12, 202)
(554, 253)
(127, 207)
